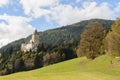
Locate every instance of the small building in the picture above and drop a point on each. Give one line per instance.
(32, 45)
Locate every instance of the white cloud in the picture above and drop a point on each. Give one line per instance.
(37, 8)
(77, 1)
(13, 28)
(67, 14)
(117, 9)
(4, 2)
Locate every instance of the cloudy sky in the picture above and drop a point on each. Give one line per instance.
(19, 18)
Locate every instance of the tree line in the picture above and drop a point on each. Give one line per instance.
(45, 55)
(96, 41)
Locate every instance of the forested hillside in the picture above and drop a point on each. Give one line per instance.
(57, 45)
(60, 35)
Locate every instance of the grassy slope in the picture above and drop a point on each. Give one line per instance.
(75, 69)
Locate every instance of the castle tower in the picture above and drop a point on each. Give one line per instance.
(35, 37)
(32, 44)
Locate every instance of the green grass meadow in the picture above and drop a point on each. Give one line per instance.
(75, 69)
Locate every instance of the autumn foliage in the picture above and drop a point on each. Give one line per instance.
(112, 40)
(91, 40)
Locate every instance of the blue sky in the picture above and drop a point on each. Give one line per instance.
(14, 8)
(20, 17)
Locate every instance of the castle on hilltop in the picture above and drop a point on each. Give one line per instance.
(32, 45)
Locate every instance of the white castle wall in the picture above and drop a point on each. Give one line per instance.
(32, 44)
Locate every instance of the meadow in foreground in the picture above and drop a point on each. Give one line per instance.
(75, 69)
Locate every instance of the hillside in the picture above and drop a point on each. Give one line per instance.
(75, 69)
(70, 32)
(57, 36)
(57, 45)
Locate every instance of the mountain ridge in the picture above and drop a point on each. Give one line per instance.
(59, 35)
